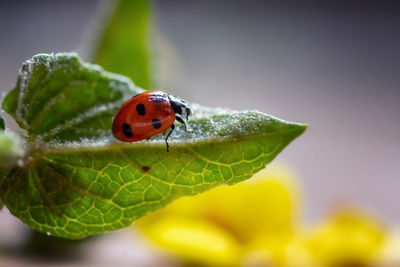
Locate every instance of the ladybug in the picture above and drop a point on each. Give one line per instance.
(148, 114)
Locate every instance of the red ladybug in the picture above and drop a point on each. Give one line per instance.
(148, 114)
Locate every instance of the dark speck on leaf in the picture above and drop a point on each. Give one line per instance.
(145, 168)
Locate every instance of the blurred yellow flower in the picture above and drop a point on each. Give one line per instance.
(195, 240)
(222, 225)
(389, 254)
(256, 223)
(349, 237)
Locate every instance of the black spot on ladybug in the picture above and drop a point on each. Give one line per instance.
(156, 123)
(127, 130)
(140, 109)
(145, 168)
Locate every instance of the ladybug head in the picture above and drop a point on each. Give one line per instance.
(179, 106)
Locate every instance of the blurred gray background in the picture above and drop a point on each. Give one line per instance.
(334, 65)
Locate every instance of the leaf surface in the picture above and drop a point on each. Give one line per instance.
(77, 180)
(124, 45)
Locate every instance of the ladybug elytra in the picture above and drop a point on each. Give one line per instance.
(148, 114)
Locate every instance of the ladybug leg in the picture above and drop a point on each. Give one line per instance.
(166, 138)
(179, 119)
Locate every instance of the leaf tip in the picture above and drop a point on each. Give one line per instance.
(296, 129)
(301, 128)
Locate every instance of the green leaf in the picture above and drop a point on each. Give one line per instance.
(78, 180)
(2, 124)
(125, 43)
(60, 98)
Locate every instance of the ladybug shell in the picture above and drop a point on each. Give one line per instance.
(143, 116)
